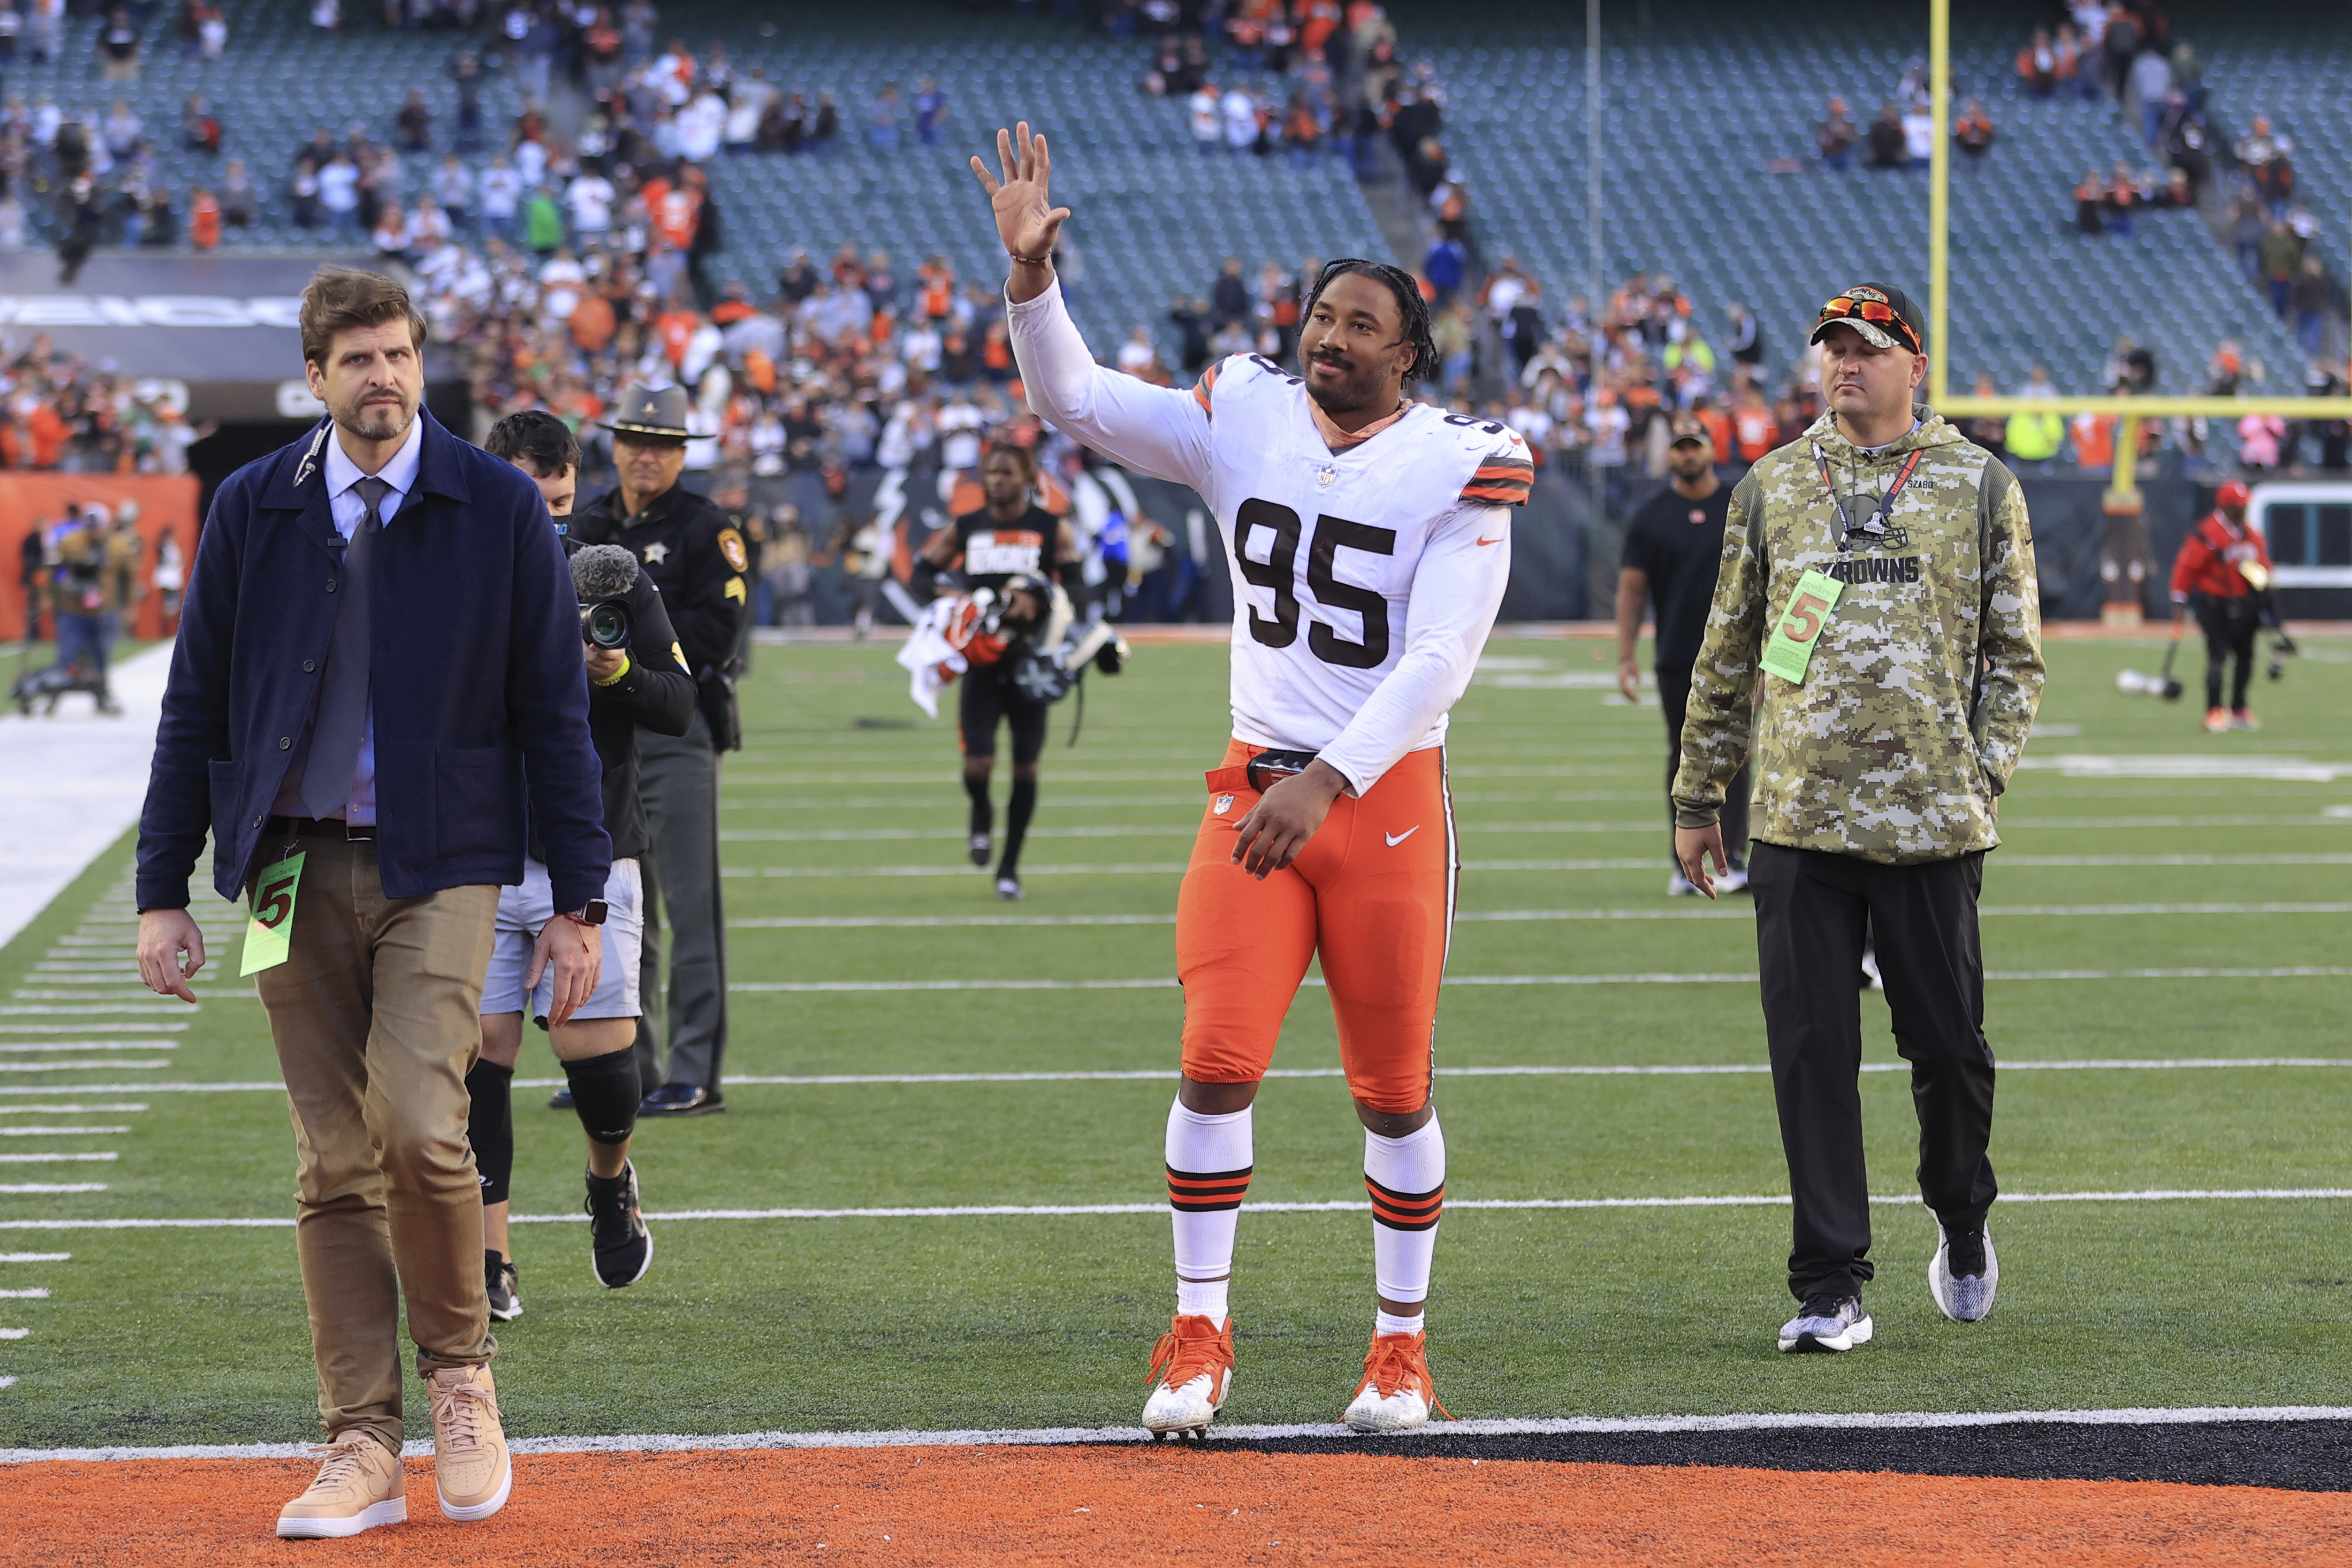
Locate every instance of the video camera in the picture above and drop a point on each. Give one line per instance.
(602, 575)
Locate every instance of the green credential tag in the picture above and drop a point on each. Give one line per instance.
(1799, 628)
(269, 934)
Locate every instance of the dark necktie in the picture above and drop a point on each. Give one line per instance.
(334, 758)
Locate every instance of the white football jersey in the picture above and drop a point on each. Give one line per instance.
(1365, 581)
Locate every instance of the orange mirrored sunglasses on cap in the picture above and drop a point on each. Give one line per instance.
(1874, 310)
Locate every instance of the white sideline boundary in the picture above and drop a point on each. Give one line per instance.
(1568, 1426)
(1159, 1208)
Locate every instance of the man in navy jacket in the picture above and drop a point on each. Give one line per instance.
(378, 660)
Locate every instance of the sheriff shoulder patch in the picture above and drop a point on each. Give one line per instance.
(731, 545)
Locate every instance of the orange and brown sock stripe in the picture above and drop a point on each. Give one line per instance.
(1405, 1211)
(1196, 1192)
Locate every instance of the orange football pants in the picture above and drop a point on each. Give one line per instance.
(1372, 894)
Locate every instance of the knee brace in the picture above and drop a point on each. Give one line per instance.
(605, 1093)
(489, 1125)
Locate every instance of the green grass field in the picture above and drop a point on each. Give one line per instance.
(198, 1335)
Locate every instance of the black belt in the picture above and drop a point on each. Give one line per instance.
(321, 828)
(1269, 768)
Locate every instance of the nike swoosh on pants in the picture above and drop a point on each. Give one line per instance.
(1396, 839)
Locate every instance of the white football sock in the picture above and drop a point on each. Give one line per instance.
(1406, 1178)
(1389, 1324)
(1209, 1159)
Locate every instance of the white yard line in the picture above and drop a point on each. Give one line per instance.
(1565, 1425)
(1163, 1075)
(1728, 977)
(37, 1293)
(52, 1186)
(35, 1256)
(56, 1131)
(14, 1047)
(67, 1110)
(100, 1157)
(74, 1067)
(1065, 1211)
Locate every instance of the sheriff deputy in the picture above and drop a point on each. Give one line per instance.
(698, 559)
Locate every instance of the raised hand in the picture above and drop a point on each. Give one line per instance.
(1027, 219)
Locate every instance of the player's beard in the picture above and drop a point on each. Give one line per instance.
(1358, 389)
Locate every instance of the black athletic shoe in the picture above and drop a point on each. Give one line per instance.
(616, 1229)
(979, 848)
(560, 1100)
(682, 1099)
(504, 1287)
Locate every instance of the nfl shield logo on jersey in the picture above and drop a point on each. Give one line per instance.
(1225, 804)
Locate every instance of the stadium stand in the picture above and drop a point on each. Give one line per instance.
(1688, 192)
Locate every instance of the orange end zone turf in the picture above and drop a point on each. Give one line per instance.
(1126, 1505)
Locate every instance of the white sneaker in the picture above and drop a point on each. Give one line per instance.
(1827, 1323)
(1193, 1364)
(1963, 1298)
(1679, 886)
(1396, 1394)
(1008, 888)
(1732, 882)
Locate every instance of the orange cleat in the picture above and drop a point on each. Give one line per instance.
(1396, 1394)
(1193, 1368)
(2244, 719)
(2216, 720)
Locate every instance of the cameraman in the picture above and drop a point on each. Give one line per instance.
(647, 684)
(1010, 535)
(698, 558)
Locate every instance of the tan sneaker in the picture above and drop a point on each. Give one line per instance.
(360, 1486)
(471, 1470)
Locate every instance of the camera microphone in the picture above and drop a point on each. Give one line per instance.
(601, 571)
(603, 575)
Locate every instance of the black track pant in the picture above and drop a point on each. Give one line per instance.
(1674, 696)
(1811, 914)
(2230, 625)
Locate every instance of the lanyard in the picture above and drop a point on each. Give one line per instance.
(1874, 524)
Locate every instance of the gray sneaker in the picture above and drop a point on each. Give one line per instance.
(1827, 1323)
(1964, 1274)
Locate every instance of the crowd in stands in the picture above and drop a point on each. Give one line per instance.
(58, 412)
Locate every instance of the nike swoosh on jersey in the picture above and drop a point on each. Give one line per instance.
(1396, 839)
(1496, 540)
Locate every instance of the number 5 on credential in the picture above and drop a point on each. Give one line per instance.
(1799, 628)
(269, 934)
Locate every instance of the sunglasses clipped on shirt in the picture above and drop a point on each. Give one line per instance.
(1877, 312)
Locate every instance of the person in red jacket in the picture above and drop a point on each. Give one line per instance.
(2223, 574)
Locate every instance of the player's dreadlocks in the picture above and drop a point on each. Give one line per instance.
(1425, 363)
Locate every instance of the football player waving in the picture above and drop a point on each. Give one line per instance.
(1370, 544)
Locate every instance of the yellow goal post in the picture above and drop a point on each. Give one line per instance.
(2130, 410)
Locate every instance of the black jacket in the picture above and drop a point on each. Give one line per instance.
(657, 691)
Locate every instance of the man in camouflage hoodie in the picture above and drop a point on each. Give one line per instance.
(1877, 579)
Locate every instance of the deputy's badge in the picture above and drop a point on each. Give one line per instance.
(1327, 475)
(731, 545)
(1225, 804)
(657, 553)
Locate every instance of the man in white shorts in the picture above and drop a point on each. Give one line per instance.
(641, 681)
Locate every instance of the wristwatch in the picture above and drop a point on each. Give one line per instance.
(591, 914)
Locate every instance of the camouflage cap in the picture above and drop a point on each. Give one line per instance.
(1882, 314)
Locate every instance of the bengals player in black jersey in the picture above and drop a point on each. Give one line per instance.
(1009, 535)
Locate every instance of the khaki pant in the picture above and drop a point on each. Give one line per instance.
(375, 1018)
